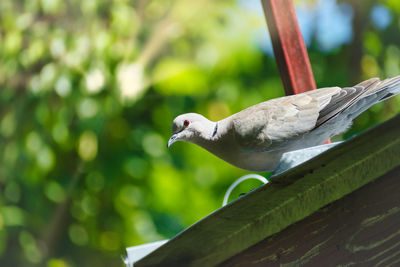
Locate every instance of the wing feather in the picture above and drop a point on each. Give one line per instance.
(276, 122)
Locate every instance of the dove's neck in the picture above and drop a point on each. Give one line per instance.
(206, 132)
(213, 135)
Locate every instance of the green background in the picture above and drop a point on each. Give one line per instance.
(88, 91)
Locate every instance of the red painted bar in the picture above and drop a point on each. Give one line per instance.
(289, 48)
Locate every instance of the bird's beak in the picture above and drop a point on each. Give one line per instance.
(172, 140)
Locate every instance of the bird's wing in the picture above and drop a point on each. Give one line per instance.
(350, 95)
(339, 102)
(374, 88)
(273, 124)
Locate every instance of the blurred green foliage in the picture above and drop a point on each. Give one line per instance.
(88, 93)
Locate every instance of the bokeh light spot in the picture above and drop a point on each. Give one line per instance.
(369, 66)
(130, 79)
(154, 144)
(94, 81)
(45, 158)
(381, 17)
(217, 111)
(33, 142)
(78, 234)
(95, 181)
(136, 167)
(60, 133)
(11, 152)
(54, 192)
(57, 263)
(47, 76)
(109, 241)
(87, 147)
(12, 215)
(57, 47)
(87, 108)
(7, 126)
(63, 86)
(30, 248)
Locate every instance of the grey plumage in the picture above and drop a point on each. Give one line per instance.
(255, 138)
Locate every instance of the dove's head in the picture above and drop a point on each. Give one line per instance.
(189, 127)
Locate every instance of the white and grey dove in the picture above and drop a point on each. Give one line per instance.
(254, 139)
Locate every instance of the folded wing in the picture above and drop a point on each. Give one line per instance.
(275, 123)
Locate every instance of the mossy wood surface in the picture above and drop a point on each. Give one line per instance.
(289, 198)
(360, 229)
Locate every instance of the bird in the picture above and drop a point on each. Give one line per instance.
(255, 138)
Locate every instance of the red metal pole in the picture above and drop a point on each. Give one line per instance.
(289, 48)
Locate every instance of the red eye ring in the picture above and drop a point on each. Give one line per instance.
(186, 123)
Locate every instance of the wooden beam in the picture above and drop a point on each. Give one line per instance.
(360, 229)
(288, 198)
(289, 48)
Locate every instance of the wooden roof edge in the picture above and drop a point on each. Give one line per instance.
(290, 197)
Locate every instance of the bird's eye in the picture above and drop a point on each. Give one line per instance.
(186, 123)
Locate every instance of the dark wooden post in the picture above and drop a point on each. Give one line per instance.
(289, 48)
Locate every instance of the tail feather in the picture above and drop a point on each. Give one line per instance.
(375, 91)
(352, 101)
(385, 89)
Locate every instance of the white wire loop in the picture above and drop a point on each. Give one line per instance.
(238, 181)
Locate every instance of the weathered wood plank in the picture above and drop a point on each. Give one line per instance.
(289, 198)
(361, 229)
